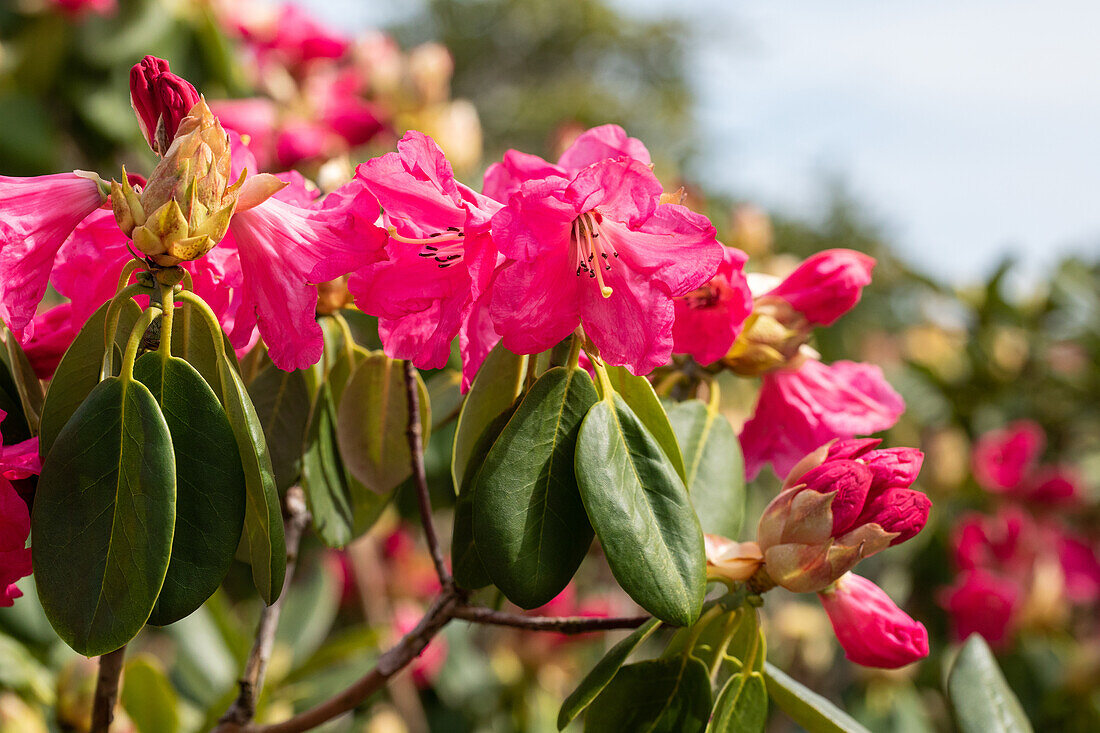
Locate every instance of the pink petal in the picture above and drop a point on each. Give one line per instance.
(870, 627)
(507, 177)
(598, 143)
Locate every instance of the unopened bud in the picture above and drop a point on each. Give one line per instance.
(161, 100)
(767, 342)
(827, 285)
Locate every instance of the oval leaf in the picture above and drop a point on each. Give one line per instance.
(658, 696)
(282, 402)
(148, 697)
(103, 518)
(263, 520)
(323, 478)
(640, 510)
(496, 387)
(371, 422)
(78, 372)
(714, 465)
(468, 570)
(598, 678)
(638, 393)
(529, 524)
(742, 705)
(210, 496)
(193, 341)
(805, 707)
(980, 696)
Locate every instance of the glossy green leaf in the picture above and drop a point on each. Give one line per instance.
(210, 496)
(805, 707)
(14, 424)
(640, 510)
(605, 670)
(496, 387)
(469, 572)
(529, 524)
(263, 519)
(372, 418)
(27, 385)
(638, 393)
(323, 478)
(342, 367)
(657, 696)
(980, 697)
(742, 705)
(715, 467)
(103, 518)
(78, 371)
(282, 402)
(148, 697)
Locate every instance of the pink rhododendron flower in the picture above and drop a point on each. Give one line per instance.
(161, 100)
(827, 285)
(1080, 562)
(600, 250)
(16, 462)
(870, 627)
(1002, 459)
(440, 254)
(291, 34)
(805, 406)
(51, 334)
(255, 117)
(982, 603)
(36, 216)
(79, 7)
(709, 319)
(835, 511)
(599, 143)
(1053, 485)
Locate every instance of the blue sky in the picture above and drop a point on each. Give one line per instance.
(969, 129)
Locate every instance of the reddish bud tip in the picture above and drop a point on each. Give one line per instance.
(161, 99)
(870, 627)
(904, 511)
(827, 285)
(850, 480)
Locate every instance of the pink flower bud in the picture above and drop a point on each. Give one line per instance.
(853, 447)
(1054, 485)
(893, 467)
(870, 627)
(904, 511)
(827, 285)
(849, 480)
(161, 100)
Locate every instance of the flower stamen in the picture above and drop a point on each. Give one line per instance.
(592, 254)
(446, 247)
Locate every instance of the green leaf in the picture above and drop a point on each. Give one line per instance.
(210, 496)
(193, 341)
(78, 372)
(372, 418)
(263, 519)
(715, 467)
(27, 384)
(742, 705)
(805, 707)
(282, 402)
(657, 696)
(468, 570)
(342, 367)
(638, 393)
(640, 510)
(446, 397)
(980, 696)
(323, 478)
(496, 387)
(529, 524)
(605, 670)
(103, 518)
(148, 697)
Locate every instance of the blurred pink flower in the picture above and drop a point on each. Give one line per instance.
(870, 627)
(805, 406)
(983, 603)
(425, 668)
(1002, 459)
(76, 8)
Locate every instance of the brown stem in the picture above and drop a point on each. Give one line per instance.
(106, 690)
(390, 663)
(297, 518)
(559, 624)
(416, 449)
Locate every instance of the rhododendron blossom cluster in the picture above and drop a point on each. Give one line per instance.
(216, 388)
